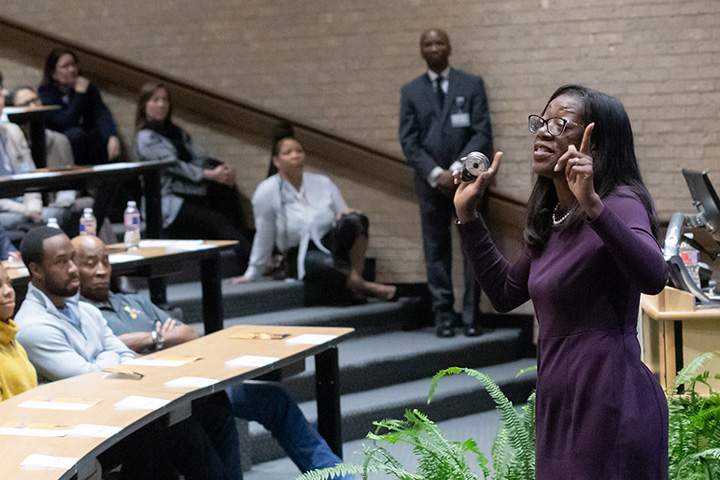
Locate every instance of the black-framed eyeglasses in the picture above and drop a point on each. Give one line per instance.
(555, 126)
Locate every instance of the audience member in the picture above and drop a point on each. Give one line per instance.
(57, 146)
(144, 327)
(20, 214)
(83, 116)
(199, 195)
(65, 337)
(304, 216)
(16, 372)
(443, 117)
(590, 249)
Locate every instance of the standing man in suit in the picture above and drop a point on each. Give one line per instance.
(443, 117)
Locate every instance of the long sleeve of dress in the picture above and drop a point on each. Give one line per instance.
(624, 228)
(505, 283)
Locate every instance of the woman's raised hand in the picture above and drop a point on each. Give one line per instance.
(578, 167)
(468, 194)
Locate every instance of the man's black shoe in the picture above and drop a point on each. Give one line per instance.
(473, 331)
(445, 331)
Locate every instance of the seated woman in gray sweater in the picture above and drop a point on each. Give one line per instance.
(199, 195)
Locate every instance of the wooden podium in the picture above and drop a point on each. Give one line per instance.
(675, 332)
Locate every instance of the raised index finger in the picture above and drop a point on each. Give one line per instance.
(586, 145)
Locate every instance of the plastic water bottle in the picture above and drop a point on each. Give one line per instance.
(691, 258)
(88, 222)
(131, 219)
(53, 223)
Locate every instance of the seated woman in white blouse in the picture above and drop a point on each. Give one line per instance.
(305, 216)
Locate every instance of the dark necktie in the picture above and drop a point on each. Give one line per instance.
(439, 94)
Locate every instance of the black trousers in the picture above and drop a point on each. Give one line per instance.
(197, 219)
(328, 273)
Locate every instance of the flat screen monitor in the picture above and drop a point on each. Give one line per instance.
(705, 199)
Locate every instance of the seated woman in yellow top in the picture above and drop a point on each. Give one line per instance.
(16, 372)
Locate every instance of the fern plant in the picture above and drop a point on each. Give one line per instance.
(513, 451)
(694, 424)
(440, 459)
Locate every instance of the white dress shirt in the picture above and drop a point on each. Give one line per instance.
(286, 218)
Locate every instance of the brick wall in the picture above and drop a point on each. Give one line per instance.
(339, 65)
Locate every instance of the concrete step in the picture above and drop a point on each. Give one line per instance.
(457, 396)
(393, 353)
(239, 300)
(482, 427)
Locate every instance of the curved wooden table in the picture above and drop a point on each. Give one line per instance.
(214, 350)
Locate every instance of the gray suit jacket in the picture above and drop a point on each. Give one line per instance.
(426, 133)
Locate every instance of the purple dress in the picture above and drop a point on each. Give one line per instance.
(601, 414)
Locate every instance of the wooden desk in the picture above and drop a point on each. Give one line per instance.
(104, 177)
(156, 262)
(214, 349)
(675, 333)
(35, 115)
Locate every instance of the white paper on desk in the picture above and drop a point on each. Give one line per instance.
(188, 245)
(136, 402)
(32, 432)
(35, 460)
(112, 166)
(310, 339)
(155, 362)
(95, 431)
(76, 407)
(190, 382)
(123, 257)
(251, 361)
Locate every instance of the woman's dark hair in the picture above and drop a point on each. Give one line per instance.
(146, 93)
(51, 62)
(282, 131)
(614, 165)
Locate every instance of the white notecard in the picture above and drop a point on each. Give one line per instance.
(32, 432)
(251, 361)
(155, 362)
(35, 460)
(310, 339)
(190, 382)
(136, 402)
(123, 257)
(96, 431)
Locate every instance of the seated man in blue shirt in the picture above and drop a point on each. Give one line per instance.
(64, 337)
(145, 328)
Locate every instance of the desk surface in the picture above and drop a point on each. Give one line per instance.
(48, 180)
(150, 253)
(672, 304)
(214, 350)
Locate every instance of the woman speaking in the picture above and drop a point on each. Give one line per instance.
(590, 249)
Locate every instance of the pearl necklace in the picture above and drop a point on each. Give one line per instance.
(561, 219)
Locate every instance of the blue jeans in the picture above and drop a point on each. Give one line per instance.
(273, 408)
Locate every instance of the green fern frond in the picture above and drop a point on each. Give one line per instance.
(525, 370)
(691, 369)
